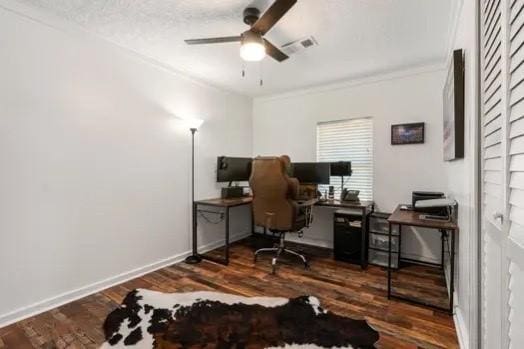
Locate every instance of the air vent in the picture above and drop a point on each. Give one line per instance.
(294, 47)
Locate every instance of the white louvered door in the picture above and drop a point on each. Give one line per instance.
(502, 65)
(516, 175)
(493, 100)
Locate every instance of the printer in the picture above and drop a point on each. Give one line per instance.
(428, 195)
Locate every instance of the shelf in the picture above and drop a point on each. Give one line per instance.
(383, 233)
(381, 265)
(382, 250)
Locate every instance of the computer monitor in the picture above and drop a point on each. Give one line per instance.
(341, 168)
(230, 169)
(312, 172)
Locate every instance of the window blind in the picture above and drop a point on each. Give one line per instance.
(348, 140)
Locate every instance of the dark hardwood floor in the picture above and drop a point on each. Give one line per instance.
(341, 287)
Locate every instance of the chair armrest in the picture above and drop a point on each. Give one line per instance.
(307, 203)
(307, 209)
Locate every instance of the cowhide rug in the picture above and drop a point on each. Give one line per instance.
(149, 319)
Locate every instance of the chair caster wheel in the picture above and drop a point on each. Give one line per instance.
(307, 266)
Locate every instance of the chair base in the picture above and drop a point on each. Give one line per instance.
(278, 251)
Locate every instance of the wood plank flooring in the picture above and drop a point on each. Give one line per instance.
(342, 288)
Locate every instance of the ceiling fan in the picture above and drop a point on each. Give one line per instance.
(253, 46)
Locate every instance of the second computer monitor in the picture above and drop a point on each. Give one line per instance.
(341, 168)
(231, 169)
(312, 172)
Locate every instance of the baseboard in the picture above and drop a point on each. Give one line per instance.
(329, 245)
(460, 326)
(70, 296)
(311, 242)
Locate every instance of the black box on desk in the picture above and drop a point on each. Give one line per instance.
(232, 192)
(347, 239)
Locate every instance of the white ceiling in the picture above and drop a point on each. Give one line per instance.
(357, 38)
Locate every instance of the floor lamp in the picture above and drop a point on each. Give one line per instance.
(194, 258)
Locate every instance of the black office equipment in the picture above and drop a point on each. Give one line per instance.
(427, 195)
(331, 193)
(350, 237)
(231, 169)
(312, 172)
(232, 192)
(444, 208)
(341, 168)
(349, 195)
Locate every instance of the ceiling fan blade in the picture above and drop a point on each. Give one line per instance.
(274, 52)
(220, 40)
(272, 15)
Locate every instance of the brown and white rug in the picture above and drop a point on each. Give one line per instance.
(149, 319)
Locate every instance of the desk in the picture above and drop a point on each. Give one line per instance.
(411, 218)
(224, 204)
(365, 207)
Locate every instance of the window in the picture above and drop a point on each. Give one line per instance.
(348, 140)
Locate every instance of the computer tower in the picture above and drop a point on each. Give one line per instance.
(347, 239)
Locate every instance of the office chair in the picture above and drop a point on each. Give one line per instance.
(275, 205)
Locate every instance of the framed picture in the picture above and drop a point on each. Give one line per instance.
(454, 108)
(407, 133)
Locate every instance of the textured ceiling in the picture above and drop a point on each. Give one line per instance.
(356, 38)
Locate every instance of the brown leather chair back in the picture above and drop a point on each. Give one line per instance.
(273, 193)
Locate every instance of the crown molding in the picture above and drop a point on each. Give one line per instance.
(48, 19)
(370, 79)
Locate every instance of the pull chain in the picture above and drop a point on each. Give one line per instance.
(260, 70)
(243, 69)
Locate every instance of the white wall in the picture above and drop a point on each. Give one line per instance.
(287, 124)
(461, 175)
(95, 176)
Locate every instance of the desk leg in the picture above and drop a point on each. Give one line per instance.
(389, 261)
(252, 221)
(226, 257)
(363, 237)
(442, 236)
(452, 270)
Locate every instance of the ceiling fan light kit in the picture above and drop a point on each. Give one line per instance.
(252, 48)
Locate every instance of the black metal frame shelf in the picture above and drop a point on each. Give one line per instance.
(381, 216)
(381, 250)
(382, 233)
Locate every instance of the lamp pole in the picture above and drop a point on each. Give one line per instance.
(194, 258)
